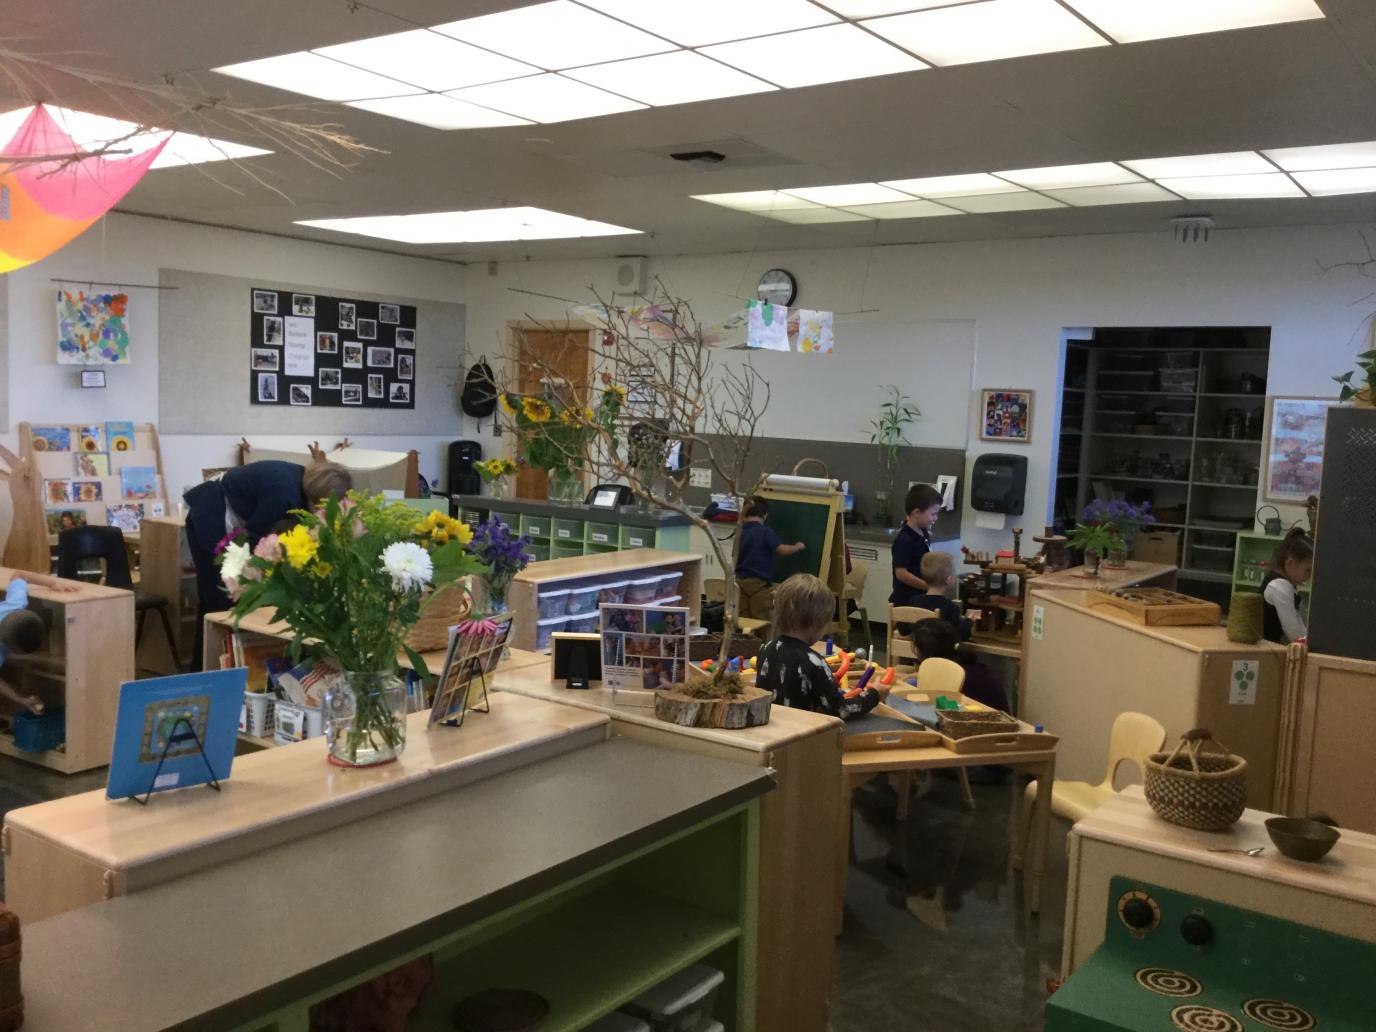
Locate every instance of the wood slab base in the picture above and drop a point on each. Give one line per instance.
(750, 709)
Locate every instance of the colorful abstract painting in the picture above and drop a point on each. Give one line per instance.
(1294, 448)
(92, 329)
(766, 326)
(815, 332)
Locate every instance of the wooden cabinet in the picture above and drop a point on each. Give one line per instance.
(165, 569)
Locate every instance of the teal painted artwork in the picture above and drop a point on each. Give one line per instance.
(92, 329)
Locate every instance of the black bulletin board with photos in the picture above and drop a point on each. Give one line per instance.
(310, 350)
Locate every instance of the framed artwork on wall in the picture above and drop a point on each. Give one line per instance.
(1005, 414)
(1293, 453)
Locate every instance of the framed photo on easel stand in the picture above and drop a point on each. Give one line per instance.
(475, 648)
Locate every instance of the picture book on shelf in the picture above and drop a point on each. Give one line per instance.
(170, 716)
(51, 438)
(92, 464)
(138, 482)
(87, 490)
(91, 438)
(119, 436)
(64, 519)
(127, 518)
(58, 491)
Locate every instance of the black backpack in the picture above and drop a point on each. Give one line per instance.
(479, 396)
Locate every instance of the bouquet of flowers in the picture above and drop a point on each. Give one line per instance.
(503, 554)
(1124, 518)
(495, 471)
(554, 434)
(350, 580)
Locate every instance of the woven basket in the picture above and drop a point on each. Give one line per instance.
(443, 611)
(1195, 789)
(963, 723)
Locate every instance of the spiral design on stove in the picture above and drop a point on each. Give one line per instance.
(1278, 1014)
(1165, 982)
(1193, 1017)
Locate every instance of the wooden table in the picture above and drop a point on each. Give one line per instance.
(859, 766)
(803, 750)
(1135, 573)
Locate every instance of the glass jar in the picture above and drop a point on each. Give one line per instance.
(365, 718)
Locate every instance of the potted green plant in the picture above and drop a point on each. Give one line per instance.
(1363, 396)
(1096, 540)
(887, 435)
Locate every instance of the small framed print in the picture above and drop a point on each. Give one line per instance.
(367, 329)
(406, 367)
(380, 358)
(267, 360)
(327, 343)
(330, 379)
(272, 330)
(1005, 415)
(401, 393)
(1293, 456)
(353, 355)
(303, 304)
(267, 388)
(93, 378)
(299, 394)
(406, 338)
(389, 314)
(265, 302)
(346, 315)
(352, 394)
(376, 387)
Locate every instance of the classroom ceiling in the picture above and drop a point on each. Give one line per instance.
(1297, 84)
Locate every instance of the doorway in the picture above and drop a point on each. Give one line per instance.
(549, 362)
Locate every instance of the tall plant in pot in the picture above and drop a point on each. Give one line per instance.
(888, 435)
(1096, 540)
(1353, 390)
(350, 580)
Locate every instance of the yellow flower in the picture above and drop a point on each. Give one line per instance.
(322, 570)
(508, 405)
(461, 532)
(300, 547)
(508, 467)
(587, 415)
(536, 410)
(619, 390)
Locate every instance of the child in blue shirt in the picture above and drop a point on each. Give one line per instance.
(21, 629)
(755, 560)
(939, 571)
(912, 542)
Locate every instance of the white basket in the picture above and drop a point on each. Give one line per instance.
(256, 715)
(293, 723)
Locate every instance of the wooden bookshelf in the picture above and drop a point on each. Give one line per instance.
(165, 569)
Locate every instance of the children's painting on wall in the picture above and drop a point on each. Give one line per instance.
(64, 519)
(92, 329)
(1294, 448)
(58, 491)
(1006, 415)
(815, 332)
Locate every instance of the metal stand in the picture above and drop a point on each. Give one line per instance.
(177, 739)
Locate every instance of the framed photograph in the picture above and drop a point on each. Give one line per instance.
(401, 393)
(1293, 455)
(644, 648)
(376, 387)
(352, 394)
(367, 329)
(1005, 414)
(331, 379)
(299, 394)
(389, 314)
(265, 302)
(346, 315)
(380, 358)
(267, 360)
(303, 304)
(327, 343)
(406, 338)
(272, 330)
(267, 388)
(353, 355)
(406, 367)
(474, 650)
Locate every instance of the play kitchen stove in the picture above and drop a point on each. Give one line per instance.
(1162, 934)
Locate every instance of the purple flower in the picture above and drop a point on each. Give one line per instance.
(504, 554)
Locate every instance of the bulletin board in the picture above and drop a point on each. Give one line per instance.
(316, 351)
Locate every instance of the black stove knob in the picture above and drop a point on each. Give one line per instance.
(1138, 914)
(1196, 930)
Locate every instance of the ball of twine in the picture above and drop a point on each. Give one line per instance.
(1245, 618)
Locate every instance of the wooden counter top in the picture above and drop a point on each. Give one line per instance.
(1134, 573)
(785, 725)
(601, 564)
(82, 591)
(224, 947)
(1195, 639)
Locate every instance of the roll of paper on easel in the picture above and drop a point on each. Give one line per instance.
(801, 485)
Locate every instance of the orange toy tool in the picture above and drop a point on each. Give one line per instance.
(888, 677)
(840, 675)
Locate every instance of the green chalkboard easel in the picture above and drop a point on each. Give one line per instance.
(816, 521)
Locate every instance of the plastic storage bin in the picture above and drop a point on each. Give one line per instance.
(552, 603)
(668, 584)
(583, 623)
(611, 593)
(583, 600)
(641, 591)
(544, 628)
(682, 1002)
(616, 1021)
(39, 733)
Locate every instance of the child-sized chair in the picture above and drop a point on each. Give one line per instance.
(934, 674)
(898, 645)
(1133, 738)
(854, 591)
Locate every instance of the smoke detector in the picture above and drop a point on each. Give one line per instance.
(1192, 229)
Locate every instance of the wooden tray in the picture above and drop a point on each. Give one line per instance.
(1157, 607)
(871, 740)
(1011, 742)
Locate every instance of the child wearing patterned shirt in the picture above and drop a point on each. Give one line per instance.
(791, 669)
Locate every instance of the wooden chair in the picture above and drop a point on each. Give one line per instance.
(897, 644)
(714, 590)
(1133, 737)
(935, 675)
(854, 591)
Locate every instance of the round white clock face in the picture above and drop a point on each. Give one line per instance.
(778, 287)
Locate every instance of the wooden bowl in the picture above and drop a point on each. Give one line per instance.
(1300, 838)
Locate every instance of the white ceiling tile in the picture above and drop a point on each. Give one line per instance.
(546, 98)
(1207, 188)
(987, 31)
(810, 216)
(952, 186)
(554, 35)
(315, 76)
(679, 77)
(1337, 155)
(756, 200)
(1122, 193)
(831, 53)
(902, 210)
(1232, 163)
(876, 8)
(482, 225)
(1069, 177)
(1129, 21)
(427, 59)
(438, 112)
(848, 195)
(697, 23)
(984, 204)
(1332, 182)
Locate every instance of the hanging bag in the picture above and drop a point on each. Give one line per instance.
(479, 396)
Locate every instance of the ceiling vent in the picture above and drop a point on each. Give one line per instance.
(1192, 229)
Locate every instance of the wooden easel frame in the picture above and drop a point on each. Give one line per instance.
(831, 566)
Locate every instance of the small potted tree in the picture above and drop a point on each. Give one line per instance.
(887, 435)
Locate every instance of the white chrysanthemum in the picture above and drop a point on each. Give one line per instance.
(408, 565)
(233, 561)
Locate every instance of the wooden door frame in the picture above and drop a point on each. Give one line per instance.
(513, 368)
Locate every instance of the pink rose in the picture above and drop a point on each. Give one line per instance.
(269, 548)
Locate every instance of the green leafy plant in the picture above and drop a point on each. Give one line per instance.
(887, 431)
(1101, 538)
(555, 434)
(1366, 363)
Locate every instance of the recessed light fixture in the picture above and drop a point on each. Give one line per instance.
(427, 59)
(953, 186)
(810, 216)
(758, 201)
(1129, 21)
(315, 76)
(554, 35)
(1068, 177)
(902, 210)
(674, 78)
(477, 226)
(850, 195)
(438, 112)
(1237, 163)
(546, 98)
(92, 132)
(697, 23)
(1338, 155)
(1330, 182)
(1121, 193)
(986, 204)
(987, 31)
(832, 53)
(1208, 188)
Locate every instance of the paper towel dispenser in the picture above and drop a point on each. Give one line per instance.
(998, 483)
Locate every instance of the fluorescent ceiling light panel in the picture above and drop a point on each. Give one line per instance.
(675, 78)
(546, 98)
(1129, 21)
(427, 59)
(987, 31)
(759, 201)
(832, 53)
(984, 204)
(1338, 181)
(1338, 155)
(902, 210)
(1068, 177)
(438, 112)
(877, 8)
(696, 23)
(316, 76)
(1238, 163)
(464, 227)
(850, 195)
(953, 186)
(1122, 193)
(188, 149)
(558, 34)
(1208, 188)
(811, 216)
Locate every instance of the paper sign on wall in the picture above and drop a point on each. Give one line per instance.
(298, 352)
(1242, 689)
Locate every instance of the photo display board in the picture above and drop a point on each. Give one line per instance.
(310, 350)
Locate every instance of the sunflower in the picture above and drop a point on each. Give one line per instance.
(508, 405)
(536, 410)
(619, 390)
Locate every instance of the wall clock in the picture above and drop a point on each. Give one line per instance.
(778, 287)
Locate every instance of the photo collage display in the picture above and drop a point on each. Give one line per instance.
(644, 647)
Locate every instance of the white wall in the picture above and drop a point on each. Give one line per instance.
(1020, 295)
(130, 249)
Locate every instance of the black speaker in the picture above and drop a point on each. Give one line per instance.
(462, 478)
(1342, 605)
